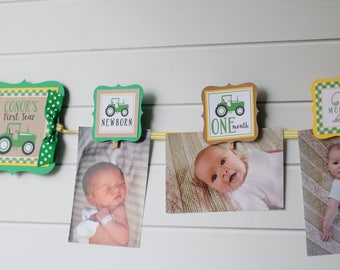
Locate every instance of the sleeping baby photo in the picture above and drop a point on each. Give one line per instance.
(243, 176)
(109, 191)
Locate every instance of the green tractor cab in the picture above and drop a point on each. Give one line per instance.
(227, 104)
(117, 106)
(14, 137)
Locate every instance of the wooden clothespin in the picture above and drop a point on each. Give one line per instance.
(115, 144)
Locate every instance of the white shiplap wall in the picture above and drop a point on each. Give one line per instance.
(173, 49)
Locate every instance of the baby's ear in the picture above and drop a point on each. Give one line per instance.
(90, 200)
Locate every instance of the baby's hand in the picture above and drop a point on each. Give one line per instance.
(93, 217)
(102, 212)
(327, 234)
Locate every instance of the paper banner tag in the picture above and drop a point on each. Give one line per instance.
(326, 108)
(230, 113)
(117, 113)
(28, 127)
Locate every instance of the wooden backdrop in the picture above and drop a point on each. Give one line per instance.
(173, 49)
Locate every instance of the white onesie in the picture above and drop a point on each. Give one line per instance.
(263, 186)
(335, 190)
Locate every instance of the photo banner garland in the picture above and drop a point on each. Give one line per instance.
(25, 107)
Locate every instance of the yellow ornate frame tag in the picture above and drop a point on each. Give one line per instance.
(230, 113)
(326, 108)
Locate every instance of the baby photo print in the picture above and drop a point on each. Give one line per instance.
(243, 176)
(320, 174)
(109, 191)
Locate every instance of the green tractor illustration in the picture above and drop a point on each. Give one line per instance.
(117, 106)
(14, 137)
(227, 104)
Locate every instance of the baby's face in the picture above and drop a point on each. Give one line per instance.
(221, 169)
(107, 189)
(334, 162)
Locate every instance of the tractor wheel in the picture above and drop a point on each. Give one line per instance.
(221, 110)
(110, 111)
(124, 112)
(5, 144)
(28, 148)
(239, 110)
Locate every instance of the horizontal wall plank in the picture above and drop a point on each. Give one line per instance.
(38, 198)
(51, 26)
(54, 199)
(282, 73)
(191, 248)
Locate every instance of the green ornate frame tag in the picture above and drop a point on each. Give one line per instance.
(326, 108)
(117, 113)
(28, 130)
(230, 113)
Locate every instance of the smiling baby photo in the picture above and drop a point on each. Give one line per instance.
(243, 176)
